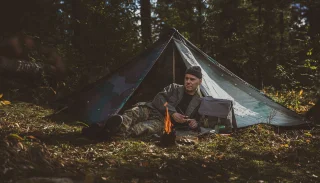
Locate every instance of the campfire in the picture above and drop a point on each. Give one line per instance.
(167, 120)
(168, 137)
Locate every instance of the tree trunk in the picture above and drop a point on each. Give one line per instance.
(199, 22)
(145, 22)
(281, 31)
(77, 24)
(259, 56)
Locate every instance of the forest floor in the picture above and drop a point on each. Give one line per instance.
(33, 145)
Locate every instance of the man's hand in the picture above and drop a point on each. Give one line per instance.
(193, 123)
(179, 118)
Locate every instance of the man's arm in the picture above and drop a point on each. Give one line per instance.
(162, 97)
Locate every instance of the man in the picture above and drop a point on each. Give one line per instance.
(148, 118)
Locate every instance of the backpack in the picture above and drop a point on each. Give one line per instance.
(217, 114)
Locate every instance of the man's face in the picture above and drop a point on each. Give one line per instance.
(191, 82)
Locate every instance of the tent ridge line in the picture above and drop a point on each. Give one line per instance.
(234, 75)
(135, 88)
(88, 87)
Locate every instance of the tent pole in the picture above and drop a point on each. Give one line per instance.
(173, 67)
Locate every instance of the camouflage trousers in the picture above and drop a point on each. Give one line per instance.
(141, 120)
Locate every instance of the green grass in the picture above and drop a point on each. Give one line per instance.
(33, 145)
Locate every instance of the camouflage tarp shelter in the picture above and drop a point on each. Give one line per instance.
(165, 62)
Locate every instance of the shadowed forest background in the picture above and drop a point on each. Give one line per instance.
(267, 43)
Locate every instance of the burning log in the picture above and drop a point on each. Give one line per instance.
(167, 121)
(168, 137)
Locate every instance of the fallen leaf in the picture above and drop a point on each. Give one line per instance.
(82, 124)
(104, 178)
(301, 91)
(6, 102)
(15, 136)
(311, 103)
(134, 180)
(20, 146)
(112, 162)
(32, 137)
(225, 134)
(308, 134)
(53, 90)
(144, 164)
(233, 178)
(166, 154)
(307, 141)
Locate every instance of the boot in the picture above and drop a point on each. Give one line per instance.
(112, 125)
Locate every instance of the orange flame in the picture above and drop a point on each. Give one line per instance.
(167, 120)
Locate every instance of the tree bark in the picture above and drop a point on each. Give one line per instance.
(77, 24)
(199, 22)
(145, 22)
(281, 31)
(259, 56)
